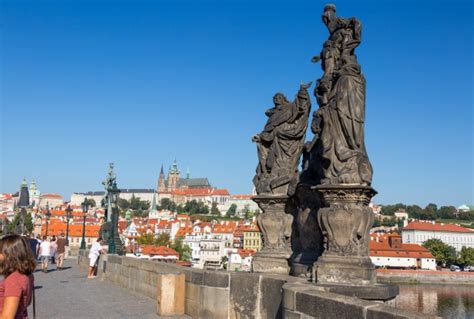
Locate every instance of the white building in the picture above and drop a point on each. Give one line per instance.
(243, 202)
(418, 232)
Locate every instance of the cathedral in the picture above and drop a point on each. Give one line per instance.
(174, 180)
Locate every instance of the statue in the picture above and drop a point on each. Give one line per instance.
(279, 147)
(336, 167)
(338, 154)
(109, 230)
(280, 144)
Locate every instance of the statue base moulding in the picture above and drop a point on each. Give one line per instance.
(345, 220)
(275, 225)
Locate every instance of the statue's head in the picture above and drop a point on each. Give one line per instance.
(329, 13)
(279, 99)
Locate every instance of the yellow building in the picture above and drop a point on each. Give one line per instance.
(252, 237)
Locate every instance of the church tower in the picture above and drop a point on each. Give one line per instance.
(161, 181)
(173, 177)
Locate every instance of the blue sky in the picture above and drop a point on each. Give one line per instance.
(140, 83)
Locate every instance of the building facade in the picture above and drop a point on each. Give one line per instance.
(417, 232)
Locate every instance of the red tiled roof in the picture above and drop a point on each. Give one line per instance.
(158, 250)
(428, 226)
(200, 192)
(57, 227)
(227, 228)
(57, 196)
(382, 248)
(183, 231)
(246, 252)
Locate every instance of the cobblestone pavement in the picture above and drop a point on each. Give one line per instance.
(69, 294)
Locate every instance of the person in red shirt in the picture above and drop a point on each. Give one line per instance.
(17, 265)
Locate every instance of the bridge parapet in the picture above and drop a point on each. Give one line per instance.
(218, 294)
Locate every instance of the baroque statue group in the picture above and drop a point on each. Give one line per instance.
(316, 220)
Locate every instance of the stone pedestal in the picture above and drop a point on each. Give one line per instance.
(307, 240)
(345, 221)
(275, 225)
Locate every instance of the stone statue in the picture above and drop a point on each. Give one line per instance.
(338, 154)
(280, 144)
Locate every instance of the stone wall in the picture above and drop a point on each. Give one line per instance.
(239, 295)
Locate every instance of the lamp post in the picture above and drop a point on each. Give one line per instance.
(48, 216)
(68, 215)
(85, 209)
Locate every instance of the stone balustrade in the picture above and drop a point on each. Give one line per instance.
(219, 294)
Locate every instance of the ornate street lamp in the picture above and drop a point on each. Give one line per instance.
(85, 209)
(68, 216)
(48, 216)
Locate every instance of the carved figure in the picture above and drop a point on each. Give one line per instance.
(338, 154)
(280, 144)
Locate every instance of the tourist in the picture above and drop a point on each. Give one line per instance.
(54, 248)
(17, 266)
(34, 245)
(38, 238)
(60, 252)
(94, 254)
(45, 253)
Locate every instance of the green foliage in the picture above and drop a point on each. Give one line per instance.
(139, 207)
(215, 210)
(466, 256)
(389, 210)
(196, 207)
(146, 239)
(91, 202)
(447, 212)
(123, 204)
(414, 211)
(466, 215)
(28, 223)
(184, 251)
(231, 211)
(376, 223)
(444, 254)
(163, 239)
(167, 204)
(389, 222)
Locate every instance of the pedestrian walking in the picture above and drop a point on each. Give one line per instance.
(60, 252)
(54, 248)
(45, 253)
(94, 254)
(17, 267)
(34, 245)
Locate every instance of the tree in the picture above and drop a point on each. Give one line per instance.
(389, 222)
(167, 204)
(447, 212)
(231, 211)
(123, 204)
(444, 254)
(163, 239)
(224, 261)
(414, 211)
(430, 212)
(389, 210)
(376, 223)
(91, 202)
(215, 210)
(146, 239)
(184, 251)
(466, 215)
(466, 257)
(28, 223)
